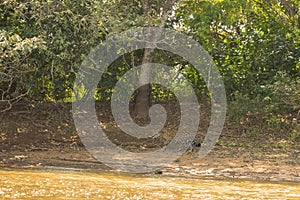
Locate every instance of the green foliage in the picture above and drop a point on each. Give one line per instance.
(15, 63)
(284, 93)
(68, 30)
(276, 112)
(247, 39)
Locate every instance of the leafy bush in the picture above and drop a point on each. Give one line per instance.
(15, 65)
(275, 109)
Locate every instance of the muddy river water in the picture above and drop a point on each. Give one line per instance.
(33, 184)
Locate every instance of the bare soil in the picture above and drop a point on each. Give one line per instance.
(43, 135)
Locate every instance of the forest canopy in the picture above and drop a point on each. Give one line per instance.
(254, 43)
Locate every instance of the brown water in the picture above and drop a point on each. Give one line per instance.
(24, 184)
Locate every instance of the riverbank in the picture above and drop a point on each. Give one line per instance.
(31, 137)
(215, 165)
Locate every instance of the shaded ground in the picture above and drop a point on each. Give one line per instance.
(44, 136)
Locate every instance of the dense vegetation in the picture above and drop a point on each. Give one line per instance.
(254, 43)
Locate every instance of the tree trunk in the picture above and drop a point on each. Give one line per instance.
(142, 101)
